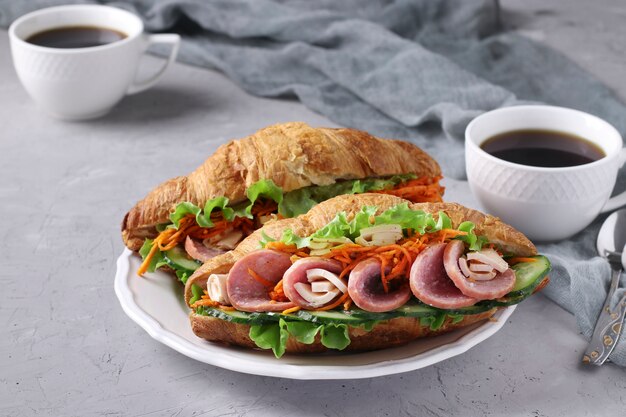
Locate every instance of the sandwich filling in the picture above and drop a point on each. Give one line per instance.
(360, 271)
(196, 234)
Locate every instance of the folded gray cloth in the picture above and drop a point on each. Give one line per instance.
(419, 70)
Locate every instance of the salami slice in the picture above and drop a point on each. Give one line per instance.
(199, 252)
(496, 287)
(248, 294)
(366, 289)
(297, 273)
(430, 282)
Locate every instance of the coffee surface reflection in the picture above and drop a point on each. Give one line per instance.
(71, 37)
(543, 148)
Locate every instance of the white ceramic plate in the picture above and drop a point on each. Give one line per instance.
(155, 302)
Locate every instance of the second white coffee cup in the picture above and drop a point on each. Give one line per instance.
(546, 204)
(83, 83)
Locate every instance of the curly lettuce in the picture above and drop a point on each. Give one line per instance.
(415, 220)
(301, 201)
(275, 335)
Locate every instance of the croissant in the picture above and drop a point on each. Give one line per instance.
(221, 326)
(293, 156)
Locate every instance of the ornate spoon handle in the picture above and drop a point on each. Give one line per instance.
(608, 327)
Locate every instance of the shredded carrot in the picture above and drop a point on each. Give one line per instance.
(206, 303)
(419, 190)
(423, 189)
(281, 246)
(277, 293)
(519, 259)
(259, 278)
(227, 308)
(170, 238)
(291, 310)
(337, 303)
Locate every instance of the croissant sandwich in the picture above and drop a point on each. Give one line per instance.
(362, 272)
(279, 172)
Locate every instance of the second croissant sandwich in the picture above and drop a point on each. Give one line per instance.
(363, 272)
(281, 171)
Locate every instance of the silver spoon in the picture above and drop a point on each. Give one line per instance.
(611, 244)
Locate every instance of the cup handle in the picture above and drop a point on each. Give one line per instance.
(620, 199)
(166, 38)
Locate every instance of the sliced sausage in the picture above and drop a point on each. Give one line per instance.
(297, 273)
(496, 287)
(366, 289)
(248, 294)
(430, 282)
(199, 252)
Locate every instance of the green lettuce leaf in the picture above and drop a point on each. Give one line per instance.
(300, 201)
(417, 220)
(402, 215)
(270, 336)
(182, 275)
(456, 318)
(303, 331)
(217, 203)
(474, 242)
(262, 188)
(335, 336)
(362, 220)
(275, 335)
(290, 238)
(338, 227)
(197, 292)
(434, 322)
(203, 217)
(156, 261)
(182, 210)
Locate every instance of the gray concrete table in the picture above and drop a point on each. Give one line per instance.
(66, 347)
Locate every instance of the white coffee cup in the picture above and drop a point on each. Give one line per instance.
(546, 204)
(83, 83)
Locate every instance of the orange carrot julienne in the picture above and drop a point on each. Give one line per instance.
(170, 238)
(282, 247)
(520, 259)
(291, 310)
(419, 190)
(337, 303)
(206, 303)
(259, 278)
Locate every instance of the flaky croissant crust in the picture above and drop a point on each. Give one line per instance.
(293, 155)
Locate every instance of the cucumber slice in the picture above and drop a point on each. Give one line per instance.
(478, 308)
(417, 310)
(338, 317)
(330, 316)
(529, 274)
(177, 258)
(235, 316)
(423, 310)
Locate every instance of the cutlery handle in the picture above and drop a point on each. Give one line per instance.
(608, 327)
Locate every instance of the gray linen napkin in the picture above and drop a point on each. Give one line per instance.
(418, 70)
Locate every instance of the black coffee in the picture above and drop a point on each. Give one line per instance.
(543, 148)
(75, 37)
